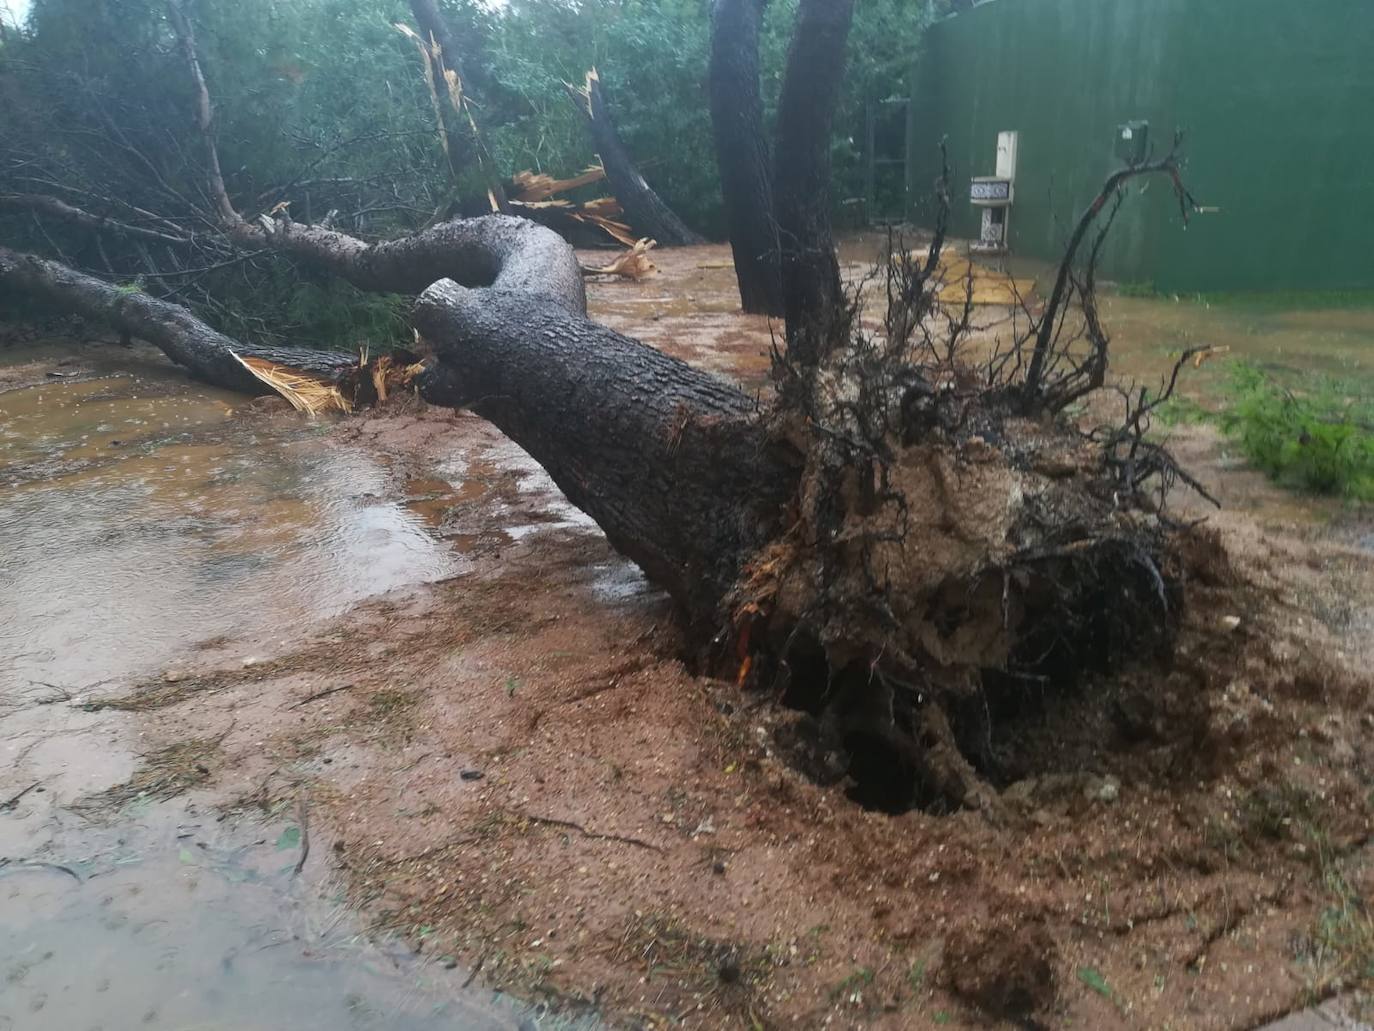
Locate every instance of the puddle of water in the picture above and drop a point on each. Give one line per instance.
(114, 559)
(174, 920)
(138, 517)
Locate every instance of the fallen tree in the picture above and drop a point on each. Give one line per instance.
(912, 538)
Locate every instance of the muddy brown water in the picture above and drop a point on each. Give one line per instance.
(143, 518)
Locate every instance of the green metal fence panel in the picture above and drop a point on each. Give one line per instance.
(1276, 98)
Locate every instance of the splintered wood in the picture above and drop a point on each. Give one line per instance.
(305, 391)
(390, 375)
(633, 264)
(313, 393)
(529, 187)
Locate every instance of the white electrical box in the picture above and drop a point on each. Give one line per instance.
(995, 194)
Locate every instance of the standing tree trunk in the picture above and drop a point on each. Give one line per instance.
(645, 210)
(813, 296)
(742, 152)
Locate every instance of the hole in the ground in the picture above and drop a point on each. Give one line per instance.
(870, 730)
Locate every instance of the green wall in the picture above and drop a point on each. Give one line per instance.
(1276, 98)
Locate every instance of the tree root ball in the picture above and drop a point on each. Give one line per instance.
(938, 581)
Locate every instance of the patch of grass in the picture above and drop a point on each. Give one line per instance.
(1340, 947)
(391, 701)
(1092, 977)
(1182, 411)
(1141, 289)
(916, 976)
(1282, 300)
(855, 982)
(1320, 440)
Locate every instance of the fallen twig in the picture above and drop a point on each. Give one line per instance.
(321, 694)
(33, 864)
(302, 818)
(14, 802)
(472, 974)
(570, 825)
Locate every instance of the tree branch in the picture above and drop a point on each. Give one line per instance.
(204, 114)
(59, 209)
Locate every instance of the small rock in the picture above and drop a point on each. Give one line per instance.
(252, 660)
(472, 775)
(1108, 791)
(174, 676)
(1230, 623)
(718, 868)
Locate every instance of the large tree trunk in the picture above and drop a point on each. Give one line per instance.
(673, 464)
(812, 291)
(742, 152)
(644, 209)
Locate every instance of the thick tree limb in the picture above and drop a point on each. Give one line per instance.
(496, 250)
(190, 343)
(742, 152)
(648, 215)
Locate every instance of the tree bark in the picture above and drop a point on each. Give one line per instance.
(742, 152)
(645, 210)
(811, 287)
(673, 464)
(508, 255)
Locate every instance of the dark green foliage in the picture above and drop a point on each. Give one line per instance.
(322, 105)
(1321, 439)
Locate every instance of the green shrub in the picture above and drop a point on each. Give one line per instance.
(1320, 440)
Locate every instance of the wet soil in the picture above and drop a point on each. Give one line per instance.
(507, 766)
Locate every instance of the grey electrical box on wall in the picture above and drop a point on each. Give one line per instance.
(1133, 142)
